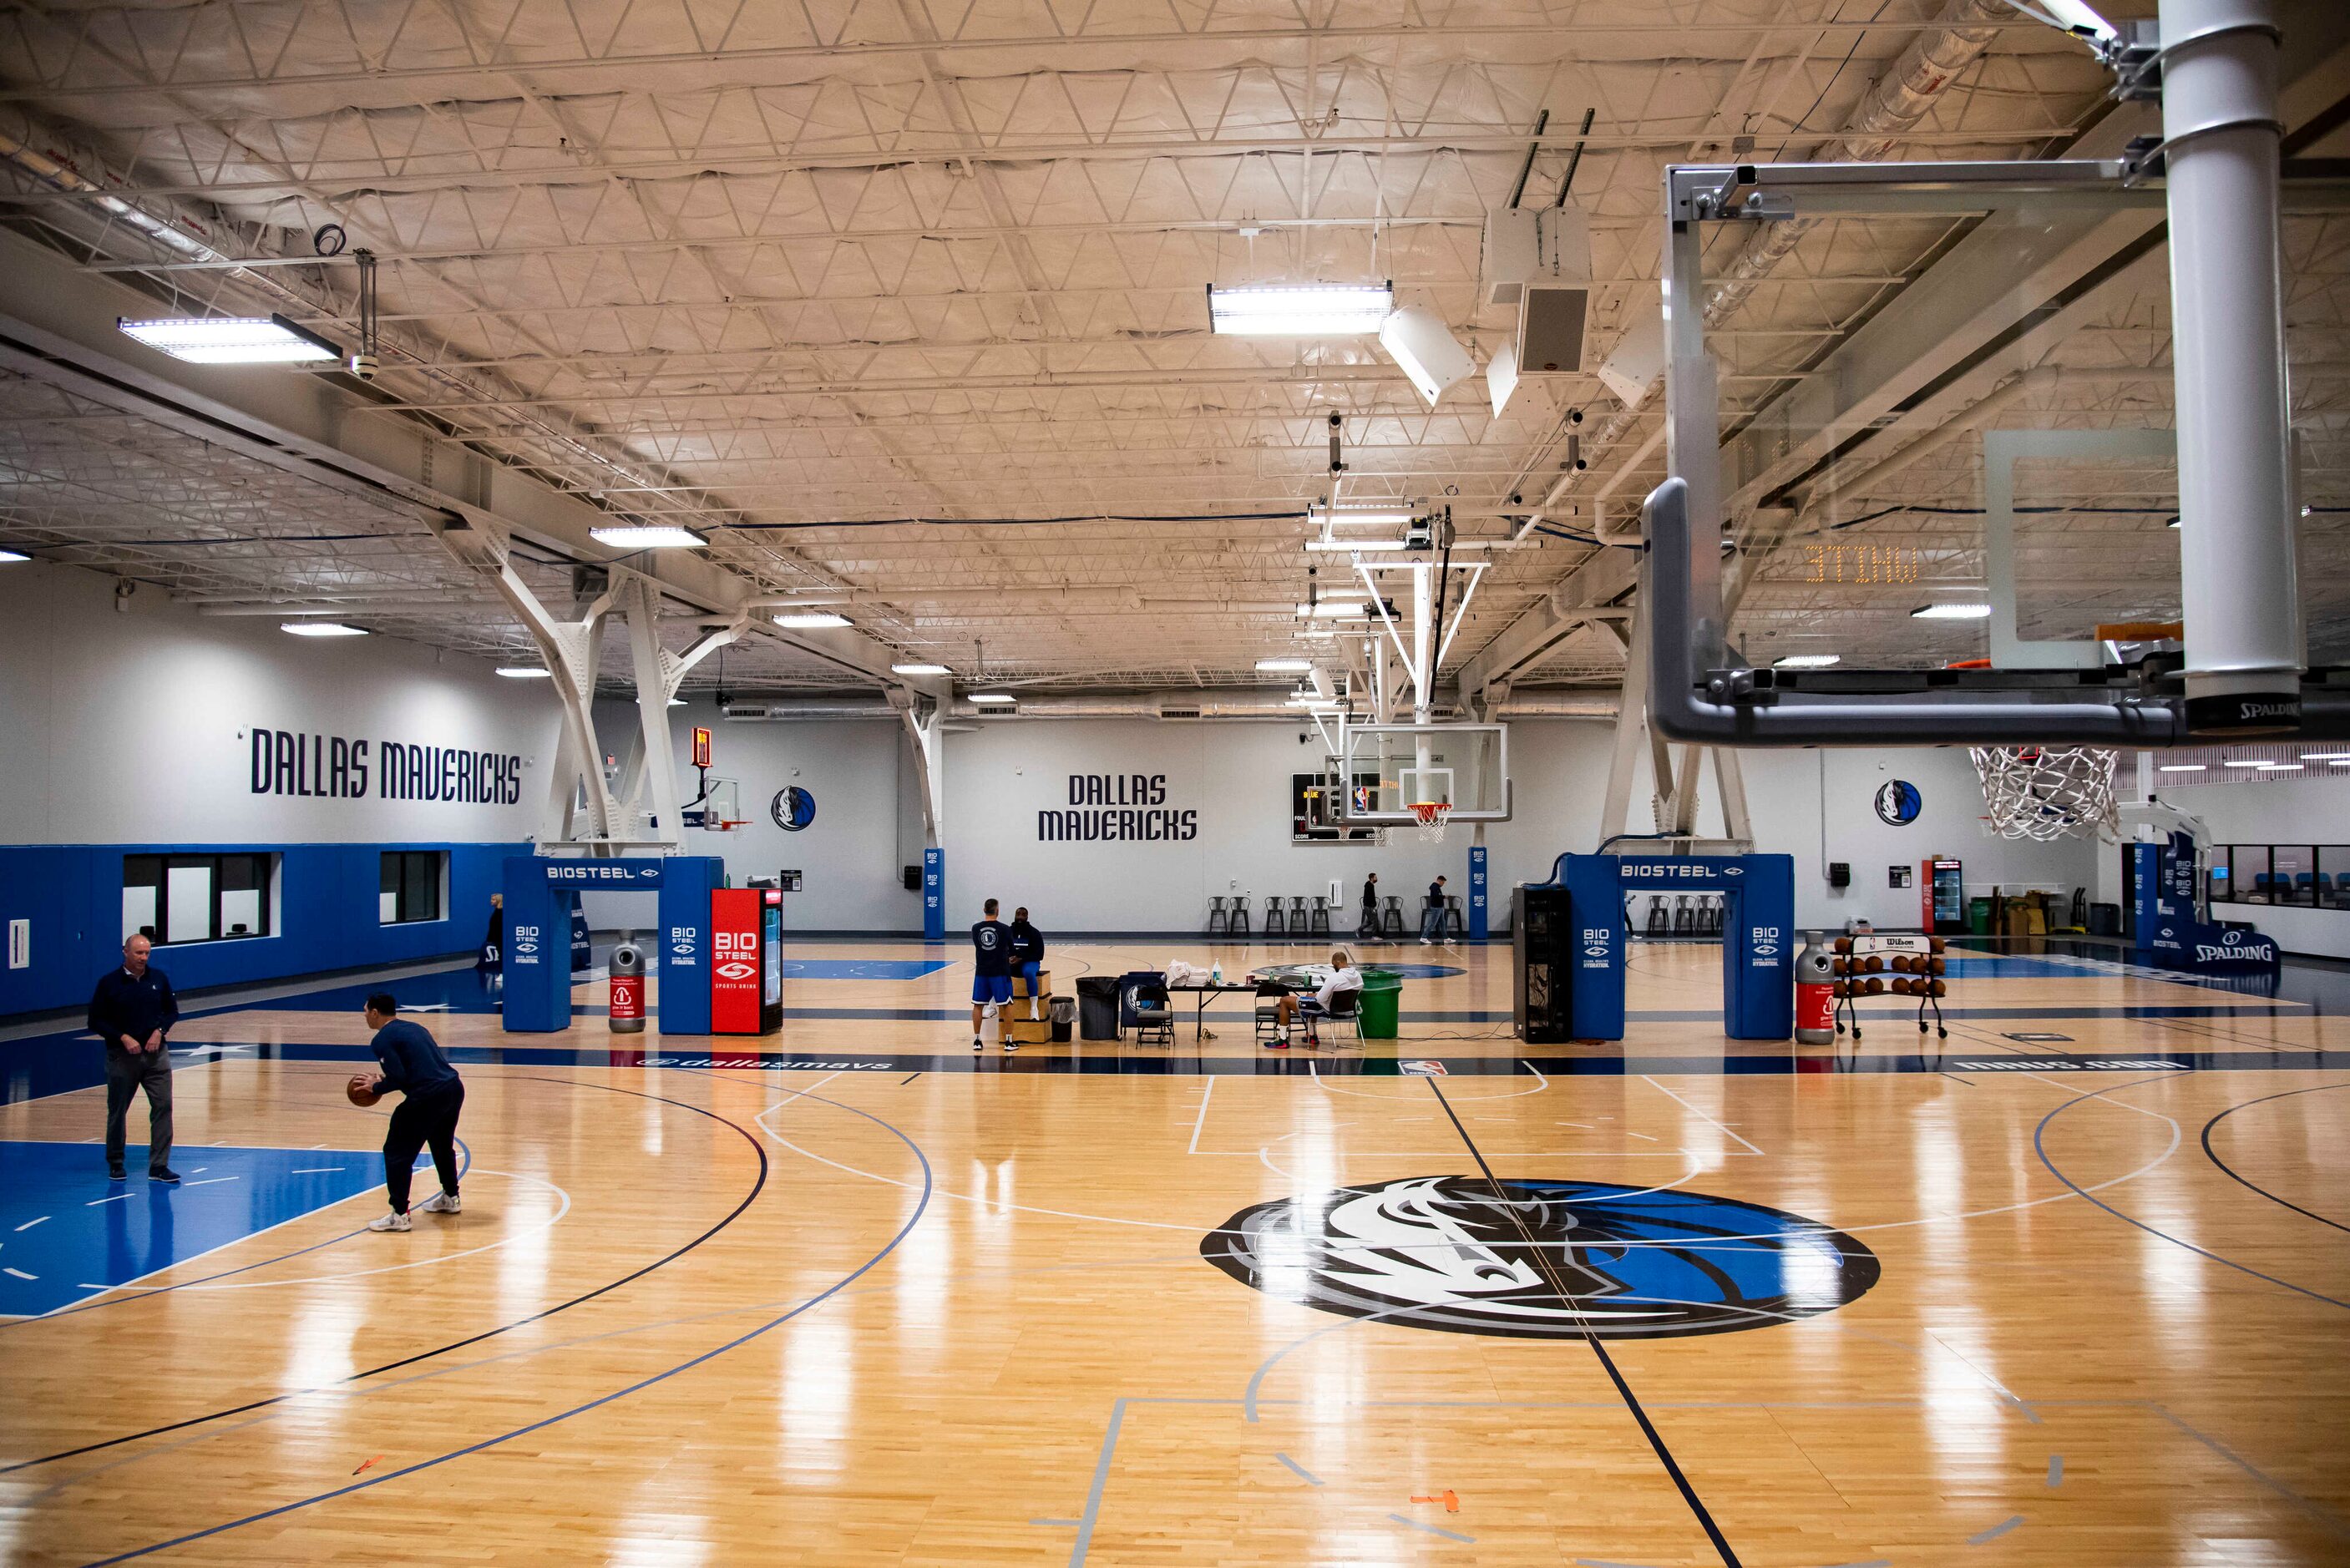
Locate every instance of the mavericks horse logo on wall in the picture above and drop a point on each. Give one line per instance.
(792, 808)
(1543, 1260)
(1899, 803)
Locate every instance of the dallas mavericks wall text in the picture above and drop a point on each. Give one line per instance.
(335, 768)
(1139, 812)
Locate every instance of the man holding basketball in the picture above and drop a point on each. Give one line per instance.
(431, 1095)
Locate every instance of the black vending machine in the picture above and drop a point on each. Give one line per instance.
(1542, 936)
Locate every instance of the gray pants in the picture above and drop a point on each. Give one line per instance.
(125, 1074)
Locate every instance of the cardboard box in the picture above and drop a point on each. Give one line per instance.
(1026, 1031)
(1020, 984)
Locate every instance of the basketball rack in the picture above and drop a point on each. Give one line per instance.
(1860, 963)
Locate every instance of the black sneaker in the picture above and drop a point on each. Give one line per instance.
(977, 1043)
(168, 1178)
(114, 1171)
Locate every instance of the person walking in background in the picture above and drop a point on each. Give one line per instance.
(493, 941)
(1028, 957)
(1431, 918)
(1367, 928)
(432, 1095)
(990, 984)
(132, 1009)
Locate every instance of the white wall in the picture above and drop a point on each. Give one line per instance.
(2282, 811)
(134, 727)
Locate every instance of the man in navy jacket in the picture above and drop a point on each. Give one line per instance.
(131, 1009)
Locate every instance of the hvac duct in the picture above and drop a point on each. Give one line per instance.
(1175, 706)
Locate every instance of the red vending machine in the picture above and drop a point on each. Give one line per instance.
(746, 961)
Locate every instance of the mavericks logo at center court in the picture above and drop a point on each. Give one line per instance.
(1445, 1253)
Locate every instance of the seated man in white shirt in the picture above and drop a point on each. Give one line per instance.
(1340, 976)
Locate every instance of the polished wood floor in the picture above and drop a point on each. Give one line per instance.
(949, 1317)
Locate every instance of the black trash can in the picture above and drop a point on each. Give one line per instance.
(2105, 920)
(1064, 1013)
(1097, 1007)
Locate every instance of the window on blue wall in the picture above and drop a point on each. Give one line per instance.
(175, 899)
(409, 885)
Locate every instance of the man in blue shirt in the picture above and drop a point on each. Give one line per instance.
(1028, 957)
(131, 1009)
(1431, 916)
(431, 1095)
(991, 985)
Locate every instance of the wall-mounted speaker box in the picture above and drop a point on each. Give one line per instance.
(1509, 257)
(1839, 874)
(913, 879)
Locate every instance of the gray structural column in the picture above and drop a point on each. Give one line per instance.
(2220, 133)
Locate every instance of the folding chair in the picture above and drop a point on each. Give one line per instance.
(1268, 1010)
(1154, 1015)
(1346, 1007)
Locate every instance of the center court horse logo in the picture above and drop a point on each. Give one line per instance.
(1545, 1260)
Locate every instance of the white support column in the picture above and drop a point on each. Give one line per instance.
(1731, 776)
(2221, 152)
(1631, 724)
(923, 728)
(569, 648)
(640, 601)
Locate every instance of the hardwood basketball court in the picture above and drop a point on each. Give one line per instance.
(869, 1312)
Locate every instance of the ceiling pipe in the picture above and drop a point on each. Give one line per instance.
(1172, 707)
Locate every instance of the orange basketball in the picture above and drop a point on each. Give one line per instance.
(361, 1090)
(1875, 987)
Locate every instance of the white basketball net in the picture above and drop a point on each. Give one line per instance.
(1431, 815)
(2044, 793)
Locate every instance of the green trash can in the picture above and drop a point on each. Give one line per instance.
(1375, 1014)
(1979, 917)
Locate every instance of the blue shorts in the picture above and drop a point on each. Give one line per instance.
(990, 988)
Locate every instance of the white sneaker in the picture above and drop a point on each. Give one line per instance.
(392, 1223)
(1427, 942)
(442, 1203)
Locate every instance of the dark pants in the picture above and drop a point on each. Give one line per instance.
(125, 1074)
(429, 1117)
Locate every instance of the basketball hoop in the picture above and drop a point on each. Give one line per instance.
(1431, 815)
(2045, 793)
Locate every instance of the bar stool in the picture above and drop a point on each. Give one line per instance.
(1218, 918)
(1273, 922)
(1236, 922)
(1320, 924)
(1391, 916)
(1298, 925)
(1454, 926)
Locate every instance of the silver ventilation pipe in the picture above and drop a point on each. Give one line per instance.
(1177, 707)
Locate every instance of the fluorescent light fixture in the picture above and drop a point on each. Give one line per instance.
(13, 556)
(231, 339)
(1425, 350)
(1300, 309)
(1329, 609)
(1386, 516)
(320, 629)
(2326, 756)
(648, 536)
(2281, 767)
(994, 699)
(2244, 762)
(920, 669)
(809, 619)
(2181, 768)
(1973, 611)
(1284, 666)
(1350, 545)
(524, 672)
(1806, 661)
